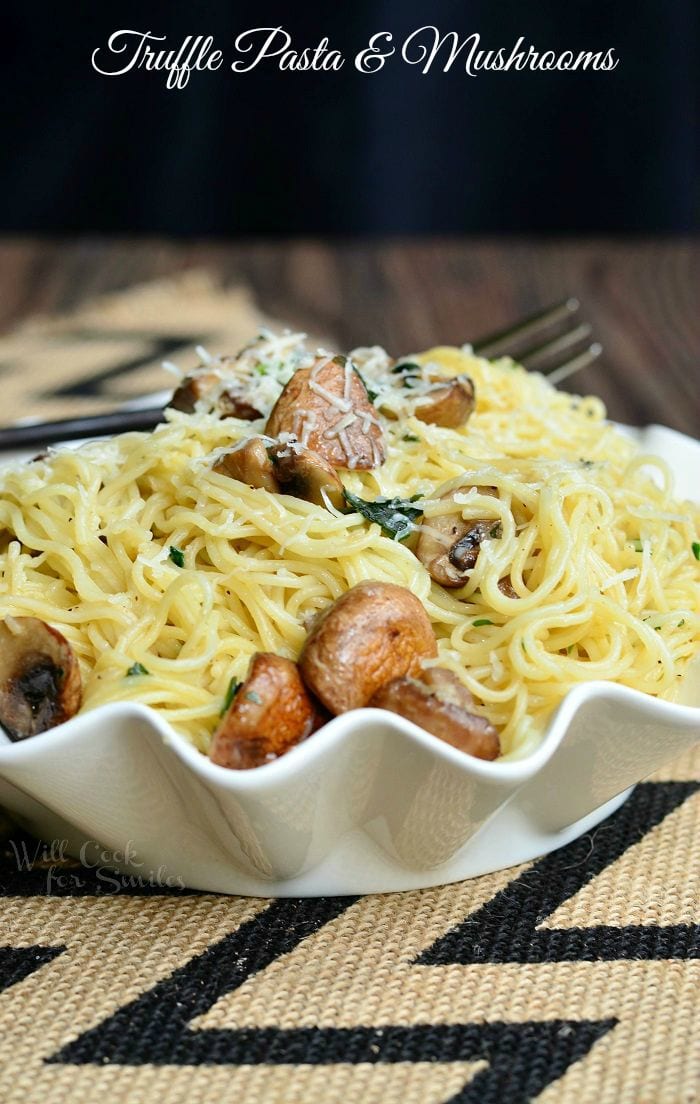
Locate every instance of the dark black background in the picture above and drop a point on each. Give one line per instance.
(338, 153)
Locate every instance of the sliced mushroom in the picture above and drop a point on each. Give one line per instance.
(440, 704)
(463, 553)
(208, 387)
(327, 408)
(305, 474)
(270, 713)
(193, 389)
(232, 403)
(373, 633)
(506, 587)
(40, 684)
(450, 405)
(250, 464)
(448, 545)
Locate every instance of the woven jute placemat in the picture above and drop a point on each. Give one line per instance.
(575, 978)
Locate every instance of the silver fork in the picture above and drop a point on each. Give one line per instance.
(551, 341)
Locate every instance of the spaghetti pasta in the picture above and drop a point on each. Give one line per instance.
(166, 576)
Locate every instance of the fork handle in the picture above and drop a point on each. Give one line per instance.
(92, 425)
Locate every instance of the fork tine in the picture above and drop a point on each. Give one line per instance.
(581, 361)
(564, 343)
(502, 341)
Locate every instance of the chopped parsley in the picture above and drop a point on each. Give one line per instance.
(371, 395)
(637, 545)
(393, 515)
(137, 669)
(177, 556)
(496, 531)
(260, 369)
(696, 549)
(410, 437)
(233, 688)
(407, 368)
(480, 622)
(681, 623)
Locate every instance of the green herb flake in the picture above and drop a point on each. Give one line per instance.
(496, 531)
(408, 367)
(260, 369)
(392, 514)
(637, 545)
(480, 622)
(251, 696)
(696, 549)
(137, 669)
(233, 688)
(177, 556)
(371, 395)
(410, 437)
(570, 649)
(681, 623)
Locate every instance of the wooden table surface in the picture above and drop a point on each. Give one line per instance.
(642, 297)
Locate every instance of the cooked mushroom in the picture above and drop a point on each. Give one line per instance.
(250, 464)
(227, 401)
(464, 552)
(448, 405)
(270, 713)
(232, 403)
(373, 633)
(506, 587)
(305, 474)
(40, 683)
(327, 408)
(192, 390)
(440, 704)
(448, 545)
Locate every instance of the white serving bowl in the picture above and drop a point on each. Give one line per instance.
(371, 803)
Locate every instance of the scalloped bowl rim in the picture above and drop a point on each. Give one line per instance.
(344, 726)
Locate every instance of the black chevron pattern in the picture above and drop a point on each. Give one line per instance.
(17, 963)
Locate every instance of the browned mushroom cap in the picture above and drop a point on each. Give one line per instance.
(373, 633)
(326, 406)
(40, 683)
(227, 402)
(441, 705)
(448, 545)
(250, 463)
(270, 713)
(450, 405)
(307, 475)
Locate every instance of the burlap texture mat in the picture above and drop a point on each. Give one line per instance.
(572, 979)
